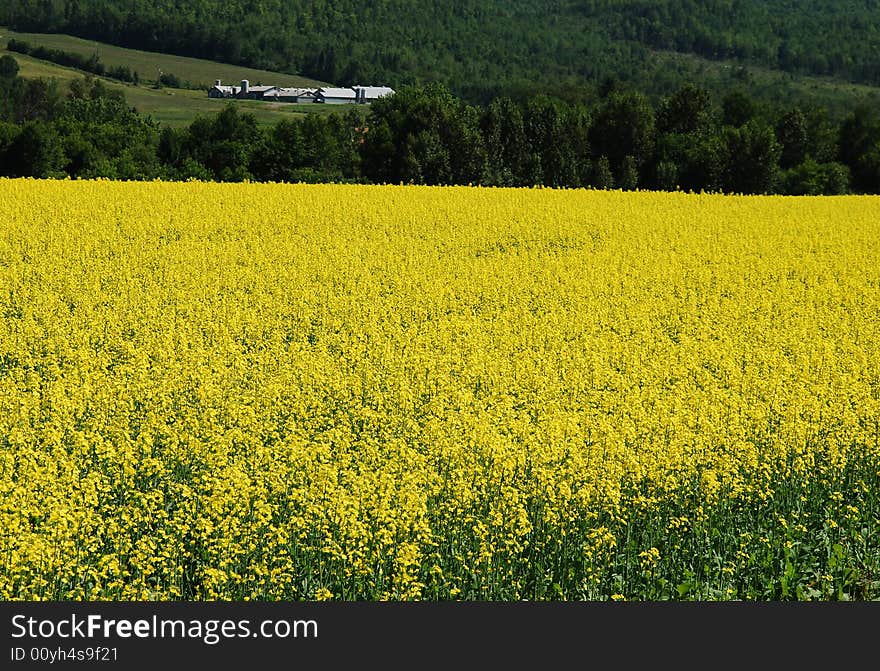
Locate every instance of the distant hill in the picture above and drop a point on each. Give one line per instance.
(481, 48)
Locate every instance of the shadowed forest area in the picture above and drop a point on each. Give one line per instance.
(483, 49)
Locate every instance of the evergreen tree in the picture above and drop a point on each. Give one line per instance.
(791, 133)
(624, 126)
(752, 164)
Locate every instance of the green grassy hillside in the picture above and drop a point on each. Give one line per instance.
(198, 72)
(168, 106)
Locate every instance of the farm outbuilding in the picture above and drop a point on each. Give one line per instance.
(291, 95)
(255, 92)
(326, 95)
(243, 90)
(221, 91)
(335, 96)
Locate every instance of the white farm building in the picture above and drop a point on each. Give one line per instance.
(326, 95)
(291, 95)
(335, 96)
(243, 90)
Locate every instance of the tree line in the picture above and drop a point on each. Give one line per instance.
(427, 135)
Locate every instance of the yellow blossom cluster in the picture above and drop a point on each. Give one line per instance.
(264, 391)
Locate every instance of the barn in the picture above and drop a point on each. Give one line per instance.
(221, 91)
(335, 96)
(245, 90)
(291, 95)
(326, 95)
(255, 92)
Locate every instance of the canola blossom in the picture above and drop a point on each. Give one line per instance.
(266, 391)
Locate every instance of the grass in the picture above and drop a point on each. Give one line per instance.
(198, 72)
(170, 107)
(178, 107)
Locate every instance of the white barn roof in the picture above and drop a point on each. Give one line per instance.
(337, 93)
(286, 91)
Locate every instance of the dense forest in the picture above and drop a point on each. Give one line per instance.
(482, 49)
(424, 134)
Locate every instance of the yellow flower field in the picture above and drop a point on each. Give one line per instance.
(261, 391)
